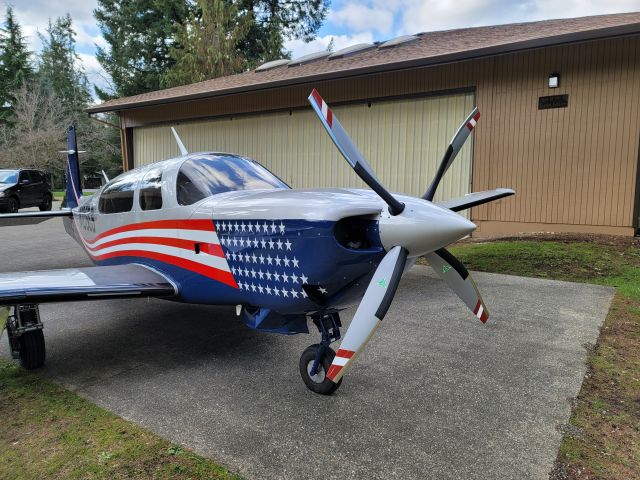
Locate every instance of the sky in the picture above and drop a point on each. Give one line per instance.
(348, 22)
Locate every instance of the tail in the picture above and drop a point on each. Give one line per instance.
(74, 187)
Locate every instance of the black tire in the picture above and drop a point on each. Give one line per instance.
(32, 350)
(320, 384)
(13, 205)
(47, 203)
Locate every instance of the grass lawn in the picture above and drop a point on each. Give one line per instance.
(603, 439)
(58, 195)
(49, 432)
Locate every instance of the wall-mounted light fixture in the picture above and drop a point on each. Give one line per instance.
(554, 80)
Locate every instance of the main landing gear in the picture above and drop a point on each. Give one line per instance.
(316, 359)
(26, 340)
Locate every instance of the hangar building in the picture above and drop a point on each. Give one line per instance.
(559, 99)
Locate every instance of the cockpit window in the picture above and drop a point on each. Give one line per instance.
(117, 195)
(200, 178)
(151, 190)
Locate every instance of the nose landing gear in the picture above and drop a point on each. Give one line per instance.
(316, 359)
(26, 340)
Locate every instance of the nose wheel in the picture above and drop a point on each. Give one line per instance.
(316, 359)
(318, 382)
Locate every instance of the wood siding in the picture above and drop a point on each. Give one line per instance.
(403, 140)
(571, 167)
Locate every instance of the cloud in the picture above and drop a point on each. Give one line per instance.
(430, 15)
(34, 15)
(300, 48)
(349, 21)
(93, 70)
(358, 17)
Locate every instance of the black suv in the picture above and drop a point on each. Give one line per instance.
(24, 188)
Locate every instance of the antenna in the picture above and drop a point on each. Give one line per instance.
(104, 175)
(181, 147)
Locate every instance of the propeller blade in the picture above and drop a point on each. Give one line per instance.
(372, 309)
(458, 278)
(350, 152)
(454, 147)
(476, 198)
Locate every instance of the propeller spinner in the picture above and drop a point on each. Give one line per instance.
(412, 228)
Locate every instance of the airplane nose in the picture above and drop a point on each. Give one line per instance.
(423, 227)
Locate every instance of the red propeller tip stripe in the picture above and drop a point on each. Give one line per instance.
(471, 124)
(481, 312)
(317, 98)
(334, 370)
(345, 353)
(324, 108)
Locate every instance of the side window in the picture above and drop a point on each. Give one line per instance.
(188, 192)
(151, 190)
(117, 196)
(36, 177)
(24, 175)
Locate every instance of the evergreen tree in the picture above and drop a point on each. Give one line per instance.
(15, 63)
(275, 21)
(58, 68)
(209, 44)
(140, 34)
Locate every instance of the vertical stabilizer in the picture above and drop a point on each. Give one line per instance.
(74, 188)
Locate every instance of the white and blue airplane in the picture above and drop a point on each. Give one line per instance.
(220, 229)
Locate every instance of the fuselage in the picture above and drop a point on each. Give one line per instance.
(292, 251)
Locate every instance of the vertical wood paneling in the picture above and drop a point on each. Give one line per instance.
(574, 166)
(402, 139)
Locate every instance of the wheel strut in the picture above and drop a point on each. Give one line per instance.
(329, 327)
(24, 332)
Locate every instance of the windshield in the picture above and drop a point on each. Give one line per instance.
(202, 177)
(8, 176)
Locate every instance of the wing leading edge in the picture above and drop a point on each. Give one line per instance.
(91, 283)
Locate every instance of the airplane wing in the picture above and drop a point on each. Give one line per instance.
(475, 199)
(31, 218)
(90, 283)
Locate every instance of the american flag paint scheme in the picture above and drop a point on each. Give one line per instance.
(220, 229)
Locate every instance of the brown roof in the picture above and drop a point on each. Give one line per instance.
(430, 48)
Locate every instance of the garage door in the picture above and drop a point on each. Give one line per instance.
(403, 140)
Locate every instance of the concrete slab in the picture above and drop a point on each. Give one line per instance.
(435, 395)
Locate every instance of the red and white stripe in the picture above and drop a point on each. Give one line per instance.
(340, 360)
(480, 312)
(324, 108)
(474, 120)
(169, 241)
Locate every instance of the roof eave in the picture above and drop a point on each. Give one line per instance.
(617, 31)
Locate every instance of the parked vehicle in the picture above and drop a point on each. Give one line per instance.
(23, 188)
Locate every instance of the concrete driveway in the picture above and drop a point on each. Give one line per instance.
(435, 395)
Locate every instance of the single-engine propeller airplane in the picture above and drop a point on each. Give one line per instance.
(220, 229)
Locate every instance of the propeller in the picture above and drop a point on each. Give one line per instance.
(371, 311)
(454, 274)
(454, 148)
(422, 229)
(350, 152)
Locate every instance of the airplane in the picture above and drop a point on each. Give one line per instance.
(221, 229)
